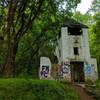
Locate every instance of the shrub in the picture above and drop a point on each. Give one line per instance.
(94, 89)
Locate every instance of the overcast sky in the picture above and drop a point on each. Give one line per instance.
(84, 6)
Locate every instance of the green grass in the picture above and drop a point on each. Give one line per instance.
(94, 89)
(22, 89)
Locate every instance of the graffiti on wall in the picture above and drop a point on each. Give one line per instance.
(45, 68)
(88, 70)
(65, 70)
(45, 71)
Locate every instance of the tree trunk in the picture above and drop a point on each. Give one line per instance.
(9, 66)
(1, 41)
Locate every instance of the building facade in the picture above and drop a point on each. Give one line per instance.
(73, 53)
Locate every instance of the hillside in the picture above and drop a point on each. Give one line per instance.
(29, 89)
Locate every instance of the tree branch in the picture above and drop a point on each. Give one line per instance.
(31, 19)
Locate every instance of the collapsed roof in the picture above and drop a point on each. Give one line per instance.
(68, 22)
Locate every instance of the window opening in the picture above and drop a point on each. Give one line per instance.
(74, 31)
(76, 52)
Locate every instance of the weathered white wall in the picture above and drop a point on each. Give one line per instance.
(45, 61)
(94, 67)
(66, 45)
(64, 41)
(86, 51)
(71, 44)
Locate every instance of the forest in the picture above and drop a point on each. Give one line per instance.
(29, 29)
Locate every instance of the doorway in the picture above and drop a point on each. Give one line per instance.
(77, 71)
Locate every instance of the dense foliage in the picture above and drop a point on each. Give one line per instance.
(95, 32)
(23, 89)
(28, 31)
(95, 41)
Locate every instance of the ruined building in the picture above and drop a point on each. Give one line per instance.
(73, 53)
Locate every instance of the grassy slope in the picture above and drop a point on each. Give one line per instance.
(22, 89)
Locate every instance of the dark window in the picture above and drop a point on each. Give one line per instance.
(76, 51)
(74, 31)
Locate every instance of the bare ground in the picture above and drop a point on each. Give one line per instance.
(82, 93)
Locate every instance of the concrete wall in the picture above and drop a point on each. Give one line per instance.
(85, 45)
(67, 42)
(45, 68)
(65, 51)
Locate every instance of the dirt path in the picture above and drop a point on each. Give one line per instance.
(82, 93)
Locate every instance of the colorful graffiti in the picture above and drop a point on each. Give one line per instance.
(65, 70)
(45, 68)
(88, 70)
(44, 72)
